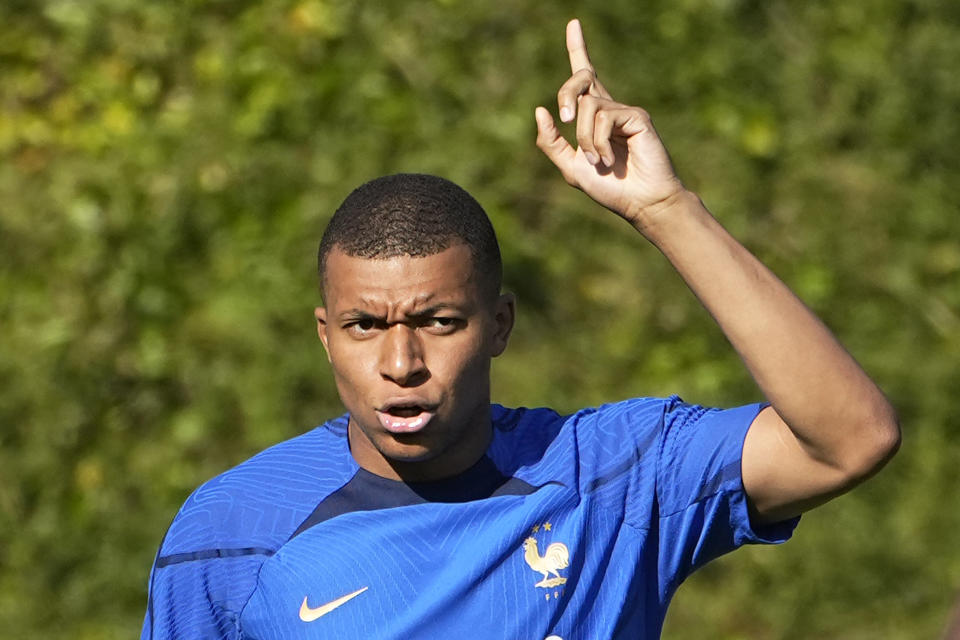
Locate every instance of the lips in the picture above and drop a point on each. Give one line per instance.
(405, 415)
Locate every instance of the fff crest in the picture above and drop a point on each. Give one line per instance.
(555, 558)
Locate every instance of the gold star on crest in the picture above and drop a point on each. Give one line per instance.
(547, 526)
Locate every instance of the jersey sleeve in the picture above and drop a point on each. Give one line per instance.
(181, 606)
(701, 500)
(210, 558)
(200, 594)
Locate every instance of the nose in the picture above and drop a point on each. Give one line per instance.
(401, 356)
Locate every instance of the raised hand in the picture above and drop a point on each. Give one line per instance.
(619, 161)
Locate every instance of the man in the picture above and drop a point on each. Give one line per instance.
(426, 512)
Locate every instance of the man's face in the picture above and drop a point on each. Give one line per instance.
(410, 341)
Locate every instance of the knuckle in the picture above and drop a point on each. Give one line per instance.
(586, 75)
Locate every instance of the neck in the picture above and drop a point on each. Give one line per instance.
(435, 463)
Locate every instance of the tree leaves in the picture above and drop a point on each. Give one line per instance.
(168, 168)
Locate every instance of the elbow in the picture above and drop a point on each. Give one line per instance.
(893, 436)
(887, 438)
(876, 442)
(886, 444)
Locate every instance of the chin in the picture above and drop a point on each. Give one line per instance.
(405, 448)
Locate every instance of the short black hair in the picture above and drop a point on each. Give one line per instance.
(412, 214)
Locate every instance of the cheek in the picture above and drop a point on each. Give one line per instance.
(468, 368)
(349, 368)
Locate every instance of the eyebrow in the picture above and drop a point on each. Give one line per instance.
(356, 313)
(433, 309)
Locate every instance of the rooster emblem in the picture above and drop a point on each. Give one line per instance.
(556, 557)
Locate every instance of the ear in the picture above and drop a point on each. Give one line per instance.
(504, 314)
(320, 313)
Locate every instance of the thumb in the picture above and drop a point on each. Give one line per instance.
(554, 145)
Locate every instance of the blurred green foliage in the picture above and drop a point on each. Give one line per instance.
(166, 170)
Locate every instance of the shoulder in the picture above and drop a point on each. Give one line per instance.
(627, 426)
(594, 436)
(262, 500)
(638, 419)
(542, 421)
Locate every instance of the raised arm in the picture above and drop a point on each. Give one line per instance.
(829, 427)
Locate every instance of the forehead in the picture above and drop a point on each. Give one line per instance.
(444, 277)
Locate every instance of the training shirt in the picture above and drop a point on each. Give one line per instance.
(577, 526)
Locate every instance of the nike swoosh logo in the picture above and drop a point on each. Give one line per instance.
(309, 615)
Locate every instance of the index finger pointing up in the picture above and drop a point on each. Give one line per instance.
(577, 47)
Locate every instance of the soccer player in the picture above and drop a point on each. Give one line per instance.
(427, 512)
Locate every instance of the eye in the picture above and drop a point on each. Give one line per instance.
(441, 324)
(361, 327)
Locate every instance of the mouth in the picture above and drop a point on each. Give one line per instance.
(405, 416)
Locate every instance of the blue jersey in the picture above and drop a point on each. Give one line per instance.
(569, 527)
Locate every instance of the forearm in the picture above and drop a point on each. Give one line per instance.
(832, 407)
(829, 426)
